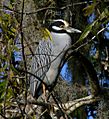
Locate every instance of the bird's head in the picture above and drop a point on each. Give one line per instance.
(61, 26)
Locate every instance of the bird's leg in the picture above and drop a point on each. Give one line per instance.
(44, 92)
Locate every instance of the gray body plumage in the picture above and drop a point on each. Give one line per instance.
(45, 63)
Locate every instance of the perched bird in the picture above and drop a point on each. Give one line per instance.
(48, 56)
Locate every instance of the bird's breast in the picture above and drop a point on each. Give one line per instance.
(60, 43)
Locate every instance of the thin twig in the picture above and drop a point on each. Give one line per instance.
(58, 105)
(23, 52)
(14, 94)
(27, 72)
(4, 103)
(46, 8)
(4, 117)
(84, 44)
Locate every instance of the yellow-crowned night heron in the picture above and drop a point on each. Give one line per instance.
(48, 56)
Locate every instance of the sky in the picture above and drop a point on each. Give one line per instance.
(106, 33)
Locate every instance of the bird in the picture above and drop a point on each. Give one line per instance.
(48, 56)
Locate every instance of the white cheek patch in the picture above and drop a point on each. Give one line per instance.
(65, 23)
(57, 28)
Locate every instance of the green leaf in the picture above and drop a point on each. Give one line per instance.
(0, 19)
(86, 32)
(46, 34)
(94, 1)
(89, 9)
(104, 14)
(9, 94)
(13, 69)
(3, 84)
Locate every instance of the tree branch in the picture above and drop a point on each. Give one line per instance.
(70, 106)
(93, 79)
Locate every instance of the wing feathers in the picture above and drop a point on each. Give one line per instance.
(40, 65)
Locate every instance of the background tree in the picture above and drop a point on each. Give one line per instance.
(22, 26)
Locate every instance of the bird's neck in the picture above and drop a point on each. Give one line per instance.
(61, 41)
